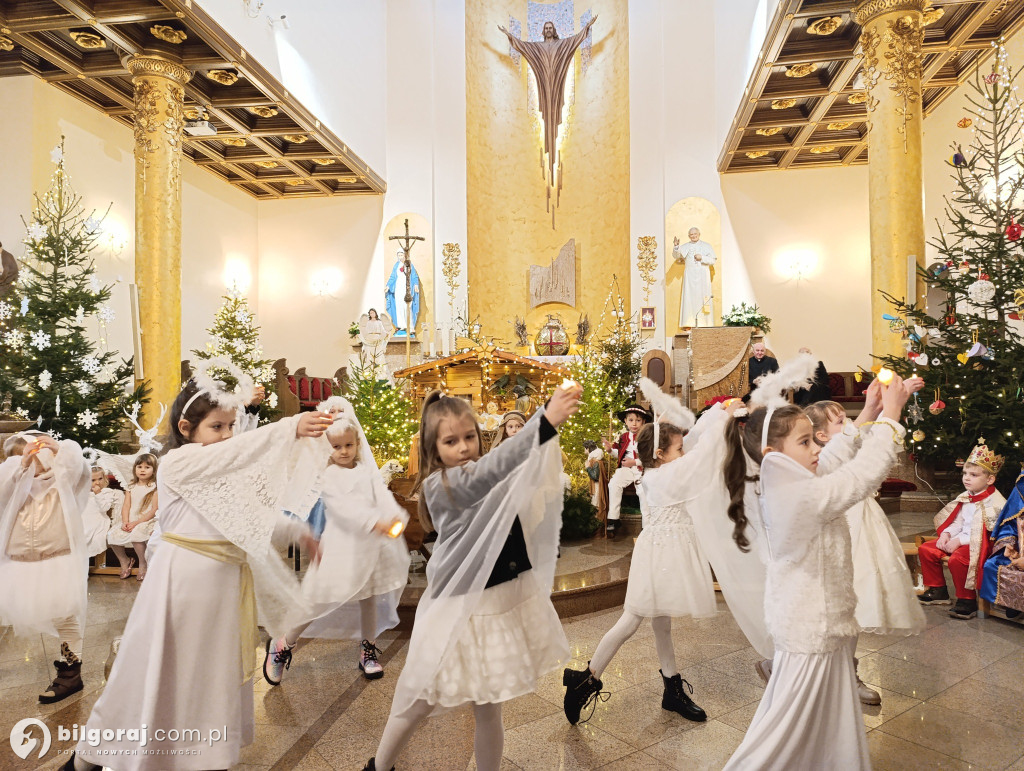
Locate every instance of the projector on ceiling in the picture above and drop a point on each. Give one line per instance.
(200, 128)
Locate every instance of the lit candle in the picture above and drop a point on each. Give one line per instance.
(396, 529)
(885, 376)
(568, 384)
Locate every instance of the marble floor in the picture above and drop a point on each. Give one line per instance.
(950, 699)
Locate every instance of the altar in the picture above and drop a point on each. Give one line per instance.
(712, 361)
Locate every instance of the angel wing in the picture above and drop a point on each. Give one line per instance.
(389, 326)
(118, 465)
(665, 407)
(798, 372)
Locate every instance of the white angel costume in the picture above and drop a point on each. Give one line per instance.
(139, 506)
(110, 501)
(44, 563)
(886, 600)
(356, 563)
(696, 306)
(809, 716)
(669, 574)
(471, 643)
(189, 648)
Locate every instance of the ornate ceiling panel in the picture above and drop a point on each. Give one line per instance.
(804, 104)
(266, 144)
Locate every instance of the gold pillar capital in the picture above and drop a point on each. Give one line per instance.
(868, 10)
(142, 64)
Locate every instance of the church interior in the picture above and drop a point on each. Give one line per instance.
(501, 200)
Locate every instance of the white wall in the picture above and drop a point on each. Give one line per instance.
(218, 222)
(679, 114)
(332, 58)
(299, 239)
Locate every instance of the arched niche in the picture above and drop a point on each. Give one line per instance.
(684, 214)
(422, 259)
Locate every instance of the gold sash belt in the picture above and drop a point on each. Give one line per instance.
(225, 551)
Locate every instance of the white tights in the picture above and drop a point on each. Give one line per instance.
(625, 628)
(367, 621)
(488, 739)
(140, 552)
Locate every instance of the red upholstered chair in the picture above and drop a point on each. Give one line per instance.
(303, 390)
(314, 390)
(836, 386)
(293, 386)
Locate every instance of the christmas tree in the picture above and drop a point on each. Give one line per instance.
(965, 338)
(386, 414)
(608, 370)
(52, 371)
(235, 337)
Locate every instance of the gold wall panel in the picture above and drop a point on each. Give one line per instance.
(684, 214)
(509, 227)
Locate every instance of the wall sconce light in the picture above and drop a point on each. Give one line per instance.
(237, 277)
(326, 282)
(796, 263)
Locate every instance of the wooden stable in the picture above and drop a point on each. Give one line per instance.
(476, 375)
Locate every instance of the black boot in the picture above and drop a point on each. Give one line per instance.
(934, 595)
(581, 689)
(70, 765)
(372, 766)
(612, 527)
(67, 682)
(675, 699)
(964, 609)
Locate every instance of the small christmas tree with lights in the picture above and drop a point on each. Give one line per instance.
(609, 370)
(969, 347)
(386, 414)
(236, 337)
(52, 372)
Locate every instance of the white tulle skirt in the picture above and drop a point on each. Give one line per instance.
(669, 574)
(809, 716)
(513, 638)
(35, 595)
(886, 601)
(354, 568)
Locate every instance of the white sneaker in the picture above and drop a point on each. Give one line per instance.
(372, 670)
(277, 660)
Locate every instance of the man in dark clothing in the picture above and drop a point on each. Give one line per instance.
(759, 365)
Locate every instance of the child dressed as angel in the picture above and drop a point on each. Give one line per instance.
(189, 648)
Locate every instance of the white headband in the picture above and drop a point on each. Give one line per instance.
(764, 428)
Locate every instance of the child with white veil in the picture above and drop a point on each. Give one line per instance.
(353, 592)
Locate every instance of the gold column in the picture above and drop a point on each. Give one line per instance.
(891, 36)
(159, 120)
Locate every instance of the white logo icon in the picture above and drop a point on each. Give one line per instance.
(24, 739)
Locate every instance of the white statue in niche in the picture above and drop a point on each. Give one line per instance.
(696, 307)
(374, 333)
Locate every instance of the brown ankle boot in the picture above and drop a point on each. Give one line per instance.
(67, 682)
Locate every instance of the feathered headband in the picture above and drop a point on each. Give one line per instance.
(798, 372)
(216, 390)
(665, 408)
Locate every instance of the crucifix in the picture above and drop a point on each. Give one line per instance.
(407, 242)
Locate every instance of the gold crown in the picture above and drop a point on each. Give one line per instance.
(982, 456)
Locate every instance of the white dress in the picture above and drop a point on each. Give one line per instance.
(669, 574)
(118, 536)
(179, 664)
(355, 563)
(38, 592)
(110, 502)
(886, 600)
(488, 645)
(809, 716)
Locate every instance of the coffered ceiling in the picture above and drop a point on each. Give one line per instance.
(266, 144)
(804, 105)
